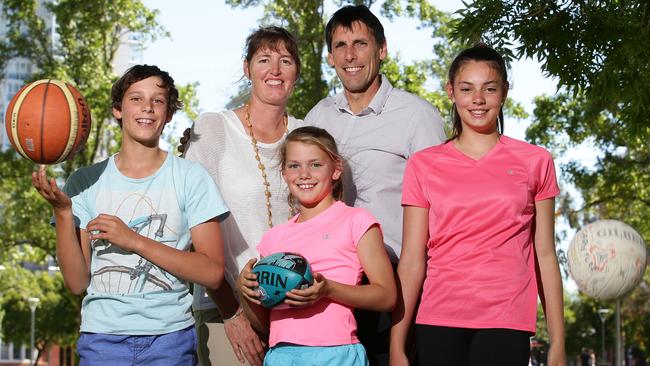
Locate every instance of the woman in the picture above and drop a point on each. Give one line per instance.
(478, 239)
(240, 150)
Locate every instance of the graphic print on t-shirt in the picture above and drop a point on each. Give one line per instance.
(117, 271)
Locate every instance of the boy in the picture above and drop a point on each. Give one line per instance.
(124, 227)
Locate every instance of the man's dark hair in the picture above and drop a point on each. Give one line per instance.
(347, 16)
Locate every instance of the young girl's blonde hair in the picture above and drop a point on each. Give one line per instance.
(318, 137)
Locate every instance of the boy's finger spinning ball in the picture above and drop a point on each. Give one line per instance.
(47, 121)
(279, 273)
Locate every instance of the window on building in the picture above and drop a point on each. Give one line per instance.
(4, 351)
(18, 352)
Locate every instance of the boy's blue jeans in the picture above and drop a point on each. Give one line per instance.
(176, 348)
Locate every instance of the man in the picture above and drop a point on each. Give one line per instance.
(377, 128)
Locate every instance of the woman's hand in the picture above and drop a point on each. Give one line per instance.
(310, 295)
(247, 282)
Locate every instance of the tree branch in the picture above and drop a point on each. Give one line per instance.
(535, 12)
(610, 198)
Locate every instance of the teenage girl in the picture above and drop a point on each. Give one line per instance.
(478, 241)
(341, 243)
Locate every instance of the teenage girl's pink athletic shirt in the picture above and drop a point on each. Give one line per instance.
(329, 242)
(481, 258)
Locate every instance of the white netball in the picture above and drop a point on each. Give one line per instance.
(607, 259)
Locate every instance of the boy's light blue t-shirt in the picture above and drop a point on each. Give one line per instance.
(128, 294)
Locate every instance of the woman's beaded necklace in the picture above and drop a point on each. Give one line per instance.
(260, 165)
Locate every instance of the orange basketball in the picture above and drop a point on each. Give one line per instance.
(47, 121)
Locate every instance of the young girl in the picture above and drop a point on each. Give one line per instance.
(341, 243)
(478, 234)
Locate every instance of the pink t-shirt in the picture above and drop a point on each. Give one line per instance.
(481, 259)
(329, 242)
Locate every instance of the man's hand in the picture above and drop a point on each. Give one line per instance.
(244, 341)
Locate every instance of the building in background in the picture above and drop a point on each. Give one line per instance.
(19, 69)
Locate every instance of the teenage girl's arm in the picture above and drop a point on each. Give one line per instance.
(410, 277)
(378, 295)
(255, 312)
(549, 280)
(72, 243)
(203, 266)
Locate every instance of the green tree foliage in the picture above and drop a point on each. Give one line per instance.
(581, 321)
(591, 47)
(25, 217)
(584, 328)
(57, 314)
(88, 35)
(595, 51)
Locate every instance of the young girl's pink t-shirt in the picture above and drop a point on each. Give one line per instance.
(329, 242)
(480, 254)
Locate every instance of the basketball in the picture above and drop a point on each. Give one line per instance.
(279, 273)
(47, 121)
(607, 259)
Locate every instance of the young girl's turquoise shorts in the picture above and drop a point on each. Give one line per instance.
(293, 355)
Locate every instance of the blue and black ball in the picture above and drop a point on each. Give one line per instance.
(281, 272)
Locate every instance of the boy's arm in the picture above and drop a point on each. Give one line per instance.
(72, 243)
(204, 265)
(549, 279)
(72, 252)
